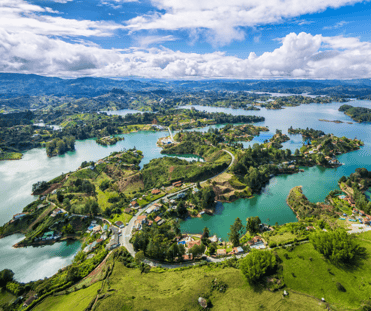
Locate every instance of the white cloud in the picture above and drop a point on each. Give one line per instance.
(299, 56)
(61, 1)
(337, 25)
(149, 40)
(18, 16)
(223, 19)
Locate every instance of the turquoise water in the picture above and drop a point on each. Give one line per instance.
(317, 182)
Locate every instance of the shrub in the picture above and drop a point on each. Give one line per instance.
(340, 287)
(272, 244)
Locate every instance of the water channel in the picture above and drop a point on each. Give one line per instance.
(17, 177)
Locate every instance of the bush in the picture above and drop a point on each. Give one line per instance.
(340, 287)
(272, 244)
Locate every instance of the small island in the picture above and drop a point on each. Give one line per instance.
(108, 140)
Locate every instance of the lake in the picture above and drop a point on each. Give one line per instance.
(17, 177)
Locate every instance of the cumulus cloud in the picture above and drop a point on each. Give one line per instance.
(223, 19)
(299, 56)
(18, 16)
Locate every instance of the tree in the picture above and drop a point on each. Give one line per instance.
(212, 248)
(258, 264)
(6, 276)
(208, 198)
(338, 246)
(197, 250)
(252, 225)
(206, 232)
(68, 229)
(139, 257)
(236, 232)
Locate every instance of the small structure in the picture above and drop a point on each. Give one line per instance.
(177, 183)
(113, 243)
(309, 228)
(57, 211)
(142, 219)
(237, 250)
(97, 229)
(202, 302)
(134, 204)
(221, 252)
(19, 215)
(119, 224)
(29, 301)
(187, 257)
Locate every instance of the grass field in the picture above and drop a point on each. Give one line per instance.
(6, 297)
(76, 301)
(282, 237)
(121, 217)
(10, 156)
(318, 277)
(179, 290)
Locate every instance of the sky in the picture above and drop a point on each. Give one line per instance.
(187, 39)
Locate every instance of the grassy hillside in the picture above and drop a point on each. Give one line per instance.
(305, 270)
(179, 290)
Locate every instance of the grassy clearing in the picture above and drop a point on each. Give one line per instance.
(282, 237)
(121, 217)
(76, 301)
(6, 297)
(318, 277)
(10, 156)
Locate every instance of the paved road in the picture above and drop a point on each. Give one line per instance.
(127, 231)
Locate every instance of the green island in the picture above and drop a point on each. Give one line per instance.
(358, 114)
(108, 140)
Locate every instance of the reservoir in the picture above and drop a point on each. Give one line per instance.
(34, 263)
(17, 177)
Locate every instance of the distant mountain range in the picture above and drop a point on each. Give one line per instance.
(15, 85)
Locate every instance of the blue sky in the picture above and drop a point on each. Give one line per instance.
(192, 39)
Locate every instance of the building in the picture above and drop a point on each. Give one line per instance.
(154, 208)
(193, 243)
(113, 243)
(177, 183)
(128, 210)
(237, 250)
(29, 301)
(97, 229)
(142, 219)
(119, 224)
(187, 257)
(155, 191)
(221, 252)
(157, 219)
(134, 204)
(57, 211)
(19, 215)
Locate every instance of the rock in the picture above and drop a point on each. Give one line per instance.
(202, 302)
